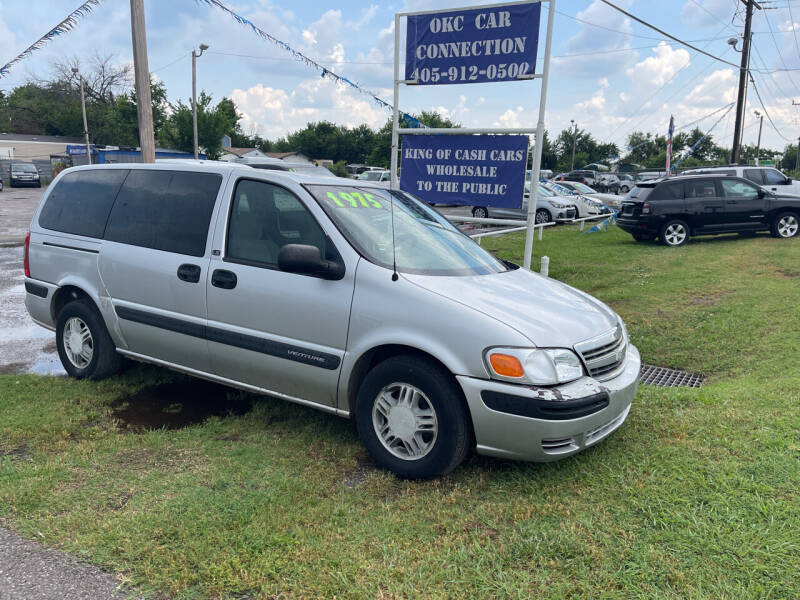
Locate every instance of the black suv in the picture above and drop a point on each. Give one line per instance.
(679, 207)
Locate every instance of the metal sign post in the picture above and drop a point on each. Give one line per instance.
(463, 60)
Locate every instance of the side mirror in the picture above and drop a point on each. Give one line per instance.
(761, 193)
(307, 260)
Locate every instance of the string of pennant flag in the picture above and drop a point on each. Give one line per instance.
(72, 20)
(324, 71)
(63, 27)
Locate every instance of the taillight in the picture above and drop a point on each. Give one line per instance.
(26, 265)
(645, 209)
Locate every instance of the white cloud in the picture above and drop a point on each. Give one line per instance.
(716, 89)
(697, 14)
(598, 46)
(274, 112)
(658, 69)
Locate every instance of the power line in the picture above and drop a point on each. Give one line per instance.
(761, 102)
(664, 33)
(775, 41)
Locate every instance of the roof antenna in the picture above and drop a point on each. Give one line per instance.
(394, 249)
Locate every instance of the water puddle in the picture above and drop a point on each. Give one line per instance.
(177, 405)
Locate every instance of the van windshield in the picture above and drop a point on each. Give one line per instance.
(425, 242)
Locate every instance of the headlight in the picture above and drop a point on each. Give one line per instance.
(536, 366)
(556, 204)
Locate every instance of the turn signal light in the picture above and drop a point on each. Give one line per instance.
(506, 365)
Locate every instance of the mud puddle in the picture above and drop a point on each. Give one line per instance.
(178, 404)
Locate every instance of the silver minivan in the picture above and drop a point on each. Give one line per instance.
(332, 293)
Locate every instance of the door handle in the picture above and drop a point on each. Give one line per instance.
(190, 273)
(223, 279)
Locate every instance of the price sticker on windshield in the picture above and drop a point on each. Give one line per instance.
(352, 199)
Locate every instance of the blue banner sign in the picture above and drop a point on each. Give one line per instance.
(468, 170)
(78, 149)
(473, 45)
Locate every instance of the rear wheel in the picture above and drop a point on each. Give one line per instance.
(479, 212)
(84, 346)
(674, 233)
(785, 225)
(412, 419)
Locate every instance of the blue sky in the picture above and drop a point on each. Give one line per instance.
(610, 74)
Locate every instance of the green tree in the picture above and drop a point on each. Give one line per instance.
(339, 168)
(212, 124)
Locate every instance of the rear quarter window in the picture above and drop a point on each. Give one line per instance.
(165, 210)
(80, 202)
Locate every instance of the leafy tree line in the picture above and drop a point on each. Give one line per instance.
(52, 107)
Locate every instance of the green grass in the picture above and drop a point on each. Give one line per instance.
(696, 496)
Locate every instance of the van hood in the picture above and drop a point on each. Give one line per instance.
(547, 312)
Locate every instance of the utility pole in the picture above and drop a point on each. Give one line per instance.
(144, 103)
(195, 56)
(574, 139)
(760, 125)
(797, 157)
(85, 127)
(744, 71)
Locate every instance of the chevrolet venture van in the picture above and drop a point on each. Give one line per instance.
(332, 293)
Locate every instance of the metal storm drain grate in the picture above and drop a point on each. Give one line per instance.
(664, 377)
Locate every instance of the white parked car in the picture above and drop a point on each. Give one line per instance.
(767, 177)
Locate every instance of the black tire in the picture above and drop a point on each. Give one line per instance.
(480, 212)
(104, 359)
(674, 233)
(542, 216)
(440, 392)
(785, 225)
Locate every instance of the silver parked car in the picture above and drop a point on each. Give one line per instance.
(550, 207)
(335, 294)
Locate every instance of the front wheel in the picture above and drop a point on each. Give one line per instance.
(674, 233)
(785, 225)
(411, 418)
(84, 346)
(542, 216)
(479, 212)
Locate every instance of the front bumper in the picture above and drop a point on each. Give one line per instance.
(513, 436)
(20, 182)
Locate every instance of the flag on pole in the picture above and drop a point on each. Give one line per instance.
(669, 142)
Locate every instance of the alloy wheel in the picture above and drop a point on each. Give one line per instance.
(675, 234)
(788, 226)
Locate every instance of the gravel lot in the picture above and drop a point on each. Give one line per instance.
(16, 209)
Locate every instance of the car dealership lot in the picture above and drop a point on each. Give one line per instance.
(696, 495)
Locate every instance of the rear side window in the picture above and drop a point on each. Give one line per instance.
(755, 175)
(668, 191)
(703, 188)
(165, 210)
(80, 202)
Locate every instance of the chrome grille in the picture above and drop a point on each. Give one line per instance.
(604, 356)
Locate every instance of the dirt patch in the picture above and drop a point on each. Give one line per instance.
(21, 452)
(358, 474)
(788, 273)
(705, 300)
(177, 405)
